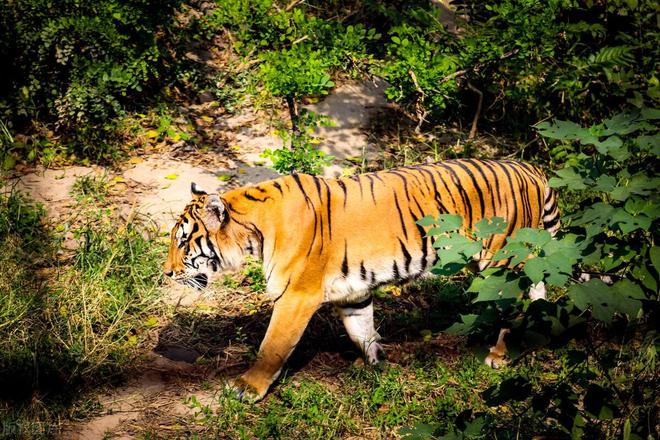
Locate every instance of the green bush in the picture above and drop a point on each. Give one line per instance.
(531, 59)
(609, 182)
(80, 63)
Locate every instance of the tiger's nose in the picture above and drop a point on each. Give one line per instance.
(169, 273)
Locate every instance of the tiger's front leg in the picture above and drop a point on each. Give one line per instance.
(291, 314)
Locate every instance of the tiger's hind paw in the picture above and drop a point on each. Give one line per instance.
(374, 354)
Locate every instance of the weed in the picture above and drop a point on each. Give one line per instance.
(90, 188)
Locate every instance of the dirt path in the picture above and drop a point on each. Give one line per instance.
(158, 186)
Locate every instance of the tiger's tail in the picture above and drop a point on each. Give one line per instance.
(551, 221)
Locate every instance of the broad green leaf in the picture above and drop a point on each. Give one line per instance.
(464, 327)
(449, 222)
(497, 286)
(517, 251)
(535, 269)
(568, 177)
(487, 227)
(427, 220)
(605, 183)
(533, 236)
(456, 248)
(654, 254)
(628, 222)
(604, 301)
(563, 130)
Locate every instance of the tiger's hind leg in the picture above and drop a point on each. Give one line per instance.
(497, 353)
(358, 319)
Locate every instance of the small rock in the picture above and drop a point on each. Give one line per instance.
(205, 97)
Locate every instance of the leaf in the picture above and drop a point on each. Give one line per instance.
(604, 301)
(563, 130)
(535, 269)
(449, 222)
(172, 176)
(487, 227)
(135, 160)
(464, 327)
(152, 134)
(497, 286)
(654, 253)
(517, 251)
(456, 249)
(516, 388)
(427, 220)
(533, 236)
(567, 177)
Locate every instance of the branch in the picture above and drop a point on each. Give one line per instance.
(473, 129)
(477, 66)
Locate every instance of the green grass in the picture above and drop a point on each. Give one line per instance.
(69, 320)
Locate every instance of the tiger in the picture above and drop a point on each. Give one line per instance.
(334, 240)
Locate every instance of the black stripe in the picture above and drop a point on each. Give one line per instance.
(279, 187)
(328, 203)
(360, 305)
(342, 185)
(438, 198)
(363, 271)
(317, 182)
(405, 182)
(254, 199)
(461, 191)
(344, 264)
(477, 166)
(406, 256)
(395, 271)
(551, 223)
(512, 225)
(398, 208)
(296, 177)
(371, 186)
(496, 179)
(522, 183)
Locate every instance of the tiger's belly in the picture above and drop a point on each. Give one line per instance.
(355, 285)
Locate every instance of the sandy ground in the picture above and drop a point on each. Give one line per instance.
(158, 186)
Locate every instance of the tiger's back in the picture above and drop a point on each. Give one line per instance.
(362, 229)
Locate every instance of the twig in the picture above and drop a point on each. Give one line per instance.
(477, 66)
(419, 107)
(473, 129)
(300, 40)
(292, 5)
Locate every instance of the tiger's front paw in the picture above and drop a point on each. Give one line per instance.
(245, 391)
(495, 359)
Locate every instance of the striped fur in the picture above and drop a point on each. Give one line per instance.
(333, 240)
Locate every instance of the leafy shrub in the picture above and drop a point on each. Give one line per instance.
(610, 230)
(531, 59)
(302, 156)
(80, 63)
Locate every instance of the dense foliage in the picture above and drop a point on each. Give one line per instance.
(610, 233)
(79, 64)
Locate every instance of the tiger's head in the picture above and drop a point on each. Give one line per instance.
(204, 241)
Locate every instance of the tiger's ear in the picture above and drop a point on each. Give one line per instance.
(196, 190)
(214, 212)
